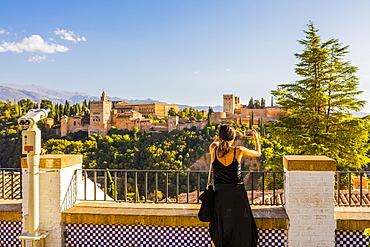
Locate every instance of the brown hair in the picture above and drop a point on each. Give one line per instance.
(226, 134)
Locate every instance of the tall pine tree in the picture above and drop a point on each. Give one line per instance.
(319, 105)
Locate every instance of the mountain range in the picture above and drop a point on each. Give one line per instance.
(36, 93)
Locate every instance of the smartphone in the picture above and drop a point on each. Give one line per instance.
(248, 133)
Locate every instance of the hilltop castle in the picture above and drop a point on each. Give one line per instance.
(105, 114)
(234, 111)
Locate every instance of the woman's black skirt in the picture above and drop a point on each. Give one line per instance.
(233, 223)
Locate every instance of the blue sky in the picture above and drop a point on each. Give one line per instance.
(184, 52)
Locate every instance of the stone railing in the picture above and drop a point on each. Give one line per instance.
(309, 217)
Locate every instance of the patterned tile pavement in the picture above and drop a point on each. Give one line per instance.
(350, 239)
(9, 232)
(84, 235)
(80, 235)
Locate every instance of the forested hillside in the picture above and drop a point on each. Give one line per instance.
(118, 150)
(173, 150)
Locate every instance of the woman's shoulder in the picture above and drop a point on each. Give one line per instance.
(241, 147)
(241, 150)
(246, 152)
(213, 147)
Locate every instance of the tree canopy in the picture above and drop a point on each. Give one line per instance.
(318, 121)
(122, 149)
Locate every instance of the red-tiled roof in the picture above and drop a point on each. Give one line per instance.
(354, 199)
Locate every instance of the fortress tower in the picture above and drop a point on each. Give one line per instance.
(231, 103)
(100, 114)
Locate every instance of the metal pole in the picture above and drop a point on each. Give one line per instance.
(33, 161)
(33, 194)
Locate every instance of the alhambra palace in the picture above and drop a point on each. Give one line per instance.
(105, 114)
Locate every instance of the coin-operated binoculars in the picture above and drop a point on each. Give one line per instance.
(31, 145)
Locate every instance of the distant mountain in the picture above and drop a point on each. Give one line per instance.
(37, 93)
(216, 108)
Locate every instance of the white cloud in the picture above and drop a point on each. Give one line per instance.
(36, 58)
(34, 43)
(2, 31)
(69, 35)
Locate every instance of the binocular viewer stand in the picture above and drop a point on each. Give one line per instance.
(34, 238)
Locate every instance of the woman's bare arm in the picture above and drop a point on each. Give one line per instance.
(245, 152)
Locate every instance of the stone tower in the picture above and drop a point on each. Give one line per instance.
(231, 102)
(100, 115)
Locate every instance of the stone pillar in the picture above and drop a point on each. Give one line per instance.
(57, 192)
(309, 200)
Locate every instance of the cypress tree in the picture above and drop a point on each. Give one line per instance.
(251, 103)
(210, 110)
(251, 120)
(67, 109)
(263, 103)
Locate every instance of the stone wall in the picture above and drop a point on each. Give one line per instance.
(309, 193)
(268, 112)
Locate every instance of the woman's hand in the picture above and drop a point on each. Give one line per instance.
(254, 134)
(245, 152)
(257, 146)
(238, 133)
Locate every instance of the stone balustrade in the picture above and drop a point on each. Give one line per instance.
(309, 217)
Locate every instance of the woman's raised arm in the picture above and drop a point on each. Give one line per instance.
(257, 147)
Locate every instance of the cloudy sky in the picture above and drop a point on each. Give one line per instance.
(185, 52)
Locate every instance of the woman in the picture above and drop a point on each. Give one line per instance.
(232, 224)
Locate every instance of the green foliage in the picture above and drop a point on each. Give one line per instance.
(263, 103)
(48, 104)
(251, 103)
(10, 142)
(210, 110)
(318, 120)
(261, 127)
(175, 150)
(10, 131)
(172, 112)
(251, 120)
(110, 187)
(257, 104)
(67, 109)
(190, 113)
(120, 149)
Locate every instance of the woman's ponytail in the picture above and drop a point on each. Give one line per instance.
(226, 134)
(223, 148)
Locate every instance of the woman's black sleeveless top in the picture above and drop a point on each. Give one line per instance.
(227, 174)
